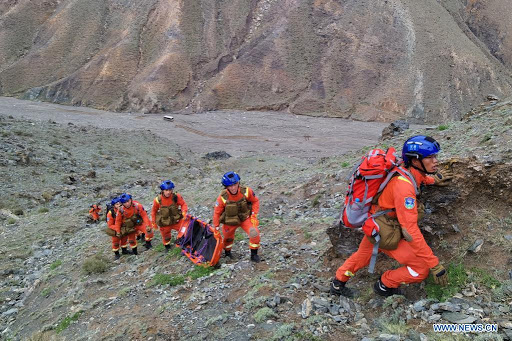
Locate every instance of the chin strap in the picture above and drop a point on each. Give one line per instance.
(424, 170)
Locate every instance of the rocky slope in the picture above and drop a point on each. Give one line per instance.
(59, 280)
(429, 61)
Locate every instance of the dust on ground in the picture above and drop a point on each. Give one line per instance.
(237, 133)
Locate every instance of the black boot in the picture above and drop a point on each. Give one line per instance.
(125, 251)
(254, 256)
(134, 250)
(141, 236)
(116, 255)
(338, 288)
(227, 253)
(148, 245)
(168, 247)
(380, 289)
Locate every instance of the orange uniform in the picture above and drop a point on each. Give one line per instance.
(165, 231)
(116, 241)
(125, 213)
(416, 256)
(228, 230)
(94, 212)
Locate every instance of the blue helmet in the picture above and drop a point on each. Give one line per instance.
(419, 147)
(115, 201)
(124, 198)
(230, 178)
(167, 184)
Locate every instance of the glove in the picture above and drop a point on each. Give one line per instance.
(254, 220)
(217, 227)
(442, 178)
(370, 228)
(439, 274)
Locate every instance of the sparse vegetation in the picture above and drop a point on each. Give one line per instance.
(164, 279)
(43, 210)
(95, 265)
(263, 314)
(485, 278)
(55, 264)
(456, 280)
(64, 324)
(11, 221)
(442, 127)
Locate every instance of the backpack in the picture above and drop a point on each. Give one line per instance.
(367, 180)
(110, 208)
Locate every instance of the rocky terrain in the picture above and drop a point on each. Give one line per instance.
(60, 282)
(428, 61)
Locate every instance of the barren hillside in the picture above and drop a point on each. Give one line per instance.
(428, 61)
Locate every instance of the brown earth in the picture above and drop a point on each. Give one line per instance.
(427, 61)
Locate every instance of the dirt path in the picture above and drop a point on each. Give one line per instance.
(237, 133)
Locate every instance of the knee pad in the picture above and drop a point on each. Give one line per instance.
(253, 232)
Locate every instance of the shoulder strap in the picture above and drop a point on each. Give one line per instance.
(224, 195)
(175, 198)
(158, 199)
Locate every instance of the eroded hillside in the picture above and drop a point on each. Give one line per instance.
(429, 61)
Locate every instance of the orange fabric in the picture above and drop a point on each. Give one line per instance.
(128, 212)
(229, 234)
(116, 241)
(166, 232)
(416, 256)
(94, 212)
(220, 205)
(167, 202)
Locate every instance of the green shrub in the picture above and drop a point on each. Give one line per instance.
(316, 201)
(263, 314)
(95, 265)
(163, 279)
(456, 280)
(200, 271)
(67, 321)
(443, 127)
(55, 264)
(345, 164)
(484, 278)
(18, 211)
(11, 221)
(43, 210)
(46, 292)
(159, 248)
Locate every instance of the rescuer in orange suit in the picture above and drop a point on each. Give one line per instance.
(417, 259)
(94, 213)
(167, 212)
(131, 218)
(111, 222)
(237, 206)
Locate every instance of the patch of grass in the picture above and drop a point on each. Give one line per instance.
(399, 328)
(251, 303)
(486, 138)
(18, 212)
(163, 279)
(239, 235)
(263, 314)
(283, 332)
(174, 253)
(345, 164)
(11, 221)
(485, 278)
(43, 210)
(316, 201)
(64, 324)
(443, 127)
(159, 248)
(200, 271)
(123, 292)
(55, 264)
(215, 319)
(95, 265)
(456, 280)
(46, 291)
